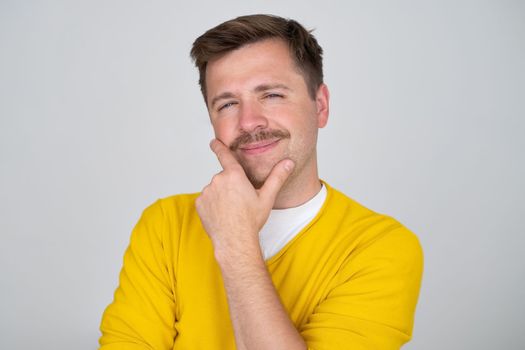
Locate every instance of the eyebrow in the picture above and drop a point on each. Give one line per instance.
(222, 96)
(266, 87)
(258, 88)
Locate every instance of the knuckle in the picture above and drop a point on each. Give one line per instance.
(203, 194)
(215, 178)
(282, 175)
(220, 153)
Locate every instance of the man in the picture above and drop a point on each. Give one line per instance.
(267, 256)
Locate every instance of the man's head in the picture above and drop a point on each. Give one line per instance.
(235, 33)
(264, 94)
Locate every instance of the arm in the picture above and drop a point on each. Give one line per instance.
(372, 297)
(232, 213)
(371, 300)
(259, 319)
(141, 315)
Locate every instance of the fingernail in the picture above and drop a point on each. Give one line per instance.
(288, 165)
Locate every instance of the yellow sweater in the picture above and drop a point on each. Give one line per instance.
(349, 280)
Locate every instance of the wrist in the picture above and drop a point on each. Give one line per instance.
(239, 256)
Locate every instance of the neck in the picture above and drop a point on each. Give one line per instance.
(297, 191)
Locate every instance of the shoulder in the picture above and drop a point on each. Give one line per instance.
(368, 231)
(166, 215)
(171, 206)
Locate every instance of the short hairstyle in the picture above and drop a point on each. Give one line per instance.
(235, 33)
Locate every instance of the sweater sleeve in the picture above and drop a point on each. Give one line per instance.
(373, 299)
(142, 314)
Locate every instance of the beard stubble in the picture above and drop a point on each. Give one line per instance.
(246, 138)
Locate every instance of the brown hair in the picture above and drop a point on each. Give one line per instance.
(243, 30)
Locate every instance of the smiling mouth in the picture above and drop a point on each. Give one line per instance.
(258, 138)
(259, 147)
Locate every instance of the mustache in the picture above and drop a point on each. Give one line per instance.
(260, 135)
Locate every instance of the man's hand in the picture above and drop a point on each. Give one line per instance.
(232, 211)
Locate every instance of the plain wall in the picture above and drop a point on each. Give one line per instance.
(100, 115)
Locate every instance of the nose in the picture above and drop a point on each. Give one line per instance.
(251, 116)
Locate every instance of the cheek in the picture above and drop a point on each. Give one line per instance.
(304, 122)
(223, 131)
(306, 130)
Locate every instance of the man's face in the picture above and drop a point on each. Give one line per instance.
(260, 107)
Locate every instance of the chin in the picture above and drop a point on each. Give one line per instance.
(259, 171)
(256, 180)
(257, 177)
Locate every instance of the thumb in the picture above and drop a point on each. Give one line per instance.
(278, 176)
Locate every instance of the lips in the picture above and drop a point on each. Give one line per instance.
(259, 147)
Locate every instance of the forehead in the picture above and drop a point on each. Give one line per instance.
(266, 49)
(267, 59)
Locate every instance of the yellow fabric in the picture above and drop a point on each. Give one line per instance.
(349, 280)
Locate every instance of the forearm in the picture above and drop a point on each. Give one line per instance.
(232, 212)
(258, 316)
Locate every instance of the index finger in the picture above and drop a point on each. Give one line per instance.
(223, 154)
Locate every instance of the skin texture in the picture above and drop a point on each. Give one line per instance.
(259, 103)
(263, 90)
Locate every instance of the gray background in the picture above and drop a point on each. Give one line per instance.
(100, 115)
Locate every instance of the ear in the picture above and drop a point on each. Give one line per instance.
(322, 101)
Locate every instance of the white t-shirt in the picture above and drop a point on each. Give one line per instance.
(283, 224)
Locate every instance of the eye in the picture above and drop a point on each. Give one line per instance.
(226, 105)
(273, 95)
